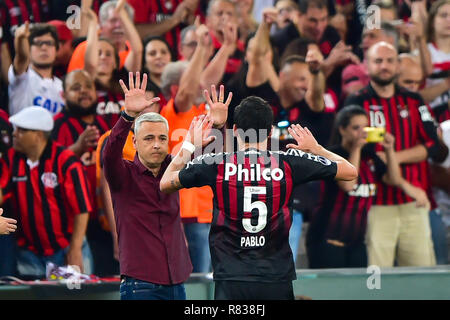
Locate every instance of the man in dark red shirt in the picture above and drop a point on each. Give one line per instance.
(153, 256)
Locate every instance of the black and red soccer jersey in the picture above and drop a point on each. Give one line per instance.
(47, 196)
(408, 119)
(14, 13)
(66, 131)
(109, 102)
(252, 216)
(342, 215)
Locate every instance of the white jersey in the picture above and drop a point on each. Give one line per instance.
(30, 89)
(441, 62)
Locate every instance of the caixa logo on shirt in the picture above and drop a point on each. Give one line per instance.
(49, 179)
(52, 106)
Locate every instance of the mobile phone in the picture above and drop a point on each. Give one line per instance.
(374, 134)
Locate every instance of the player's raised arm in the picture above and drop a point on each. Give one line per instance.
(197, 136)
(306, 142)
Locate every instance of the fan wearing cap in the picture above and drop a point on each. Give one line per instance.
(50, 191)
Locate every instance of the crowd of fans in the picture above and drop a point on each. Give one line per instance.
(335, 67)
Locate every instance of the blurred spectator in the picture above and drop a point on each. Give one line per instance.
(65, 49)
(437, 91)
(410, 74)
(79, 127)
(396, 227)
(440, 174)
(355, 76)
(116, 25)
(31, 80)
(164, 18)
(102, 62)
(287, 13)
(222, 21)
(157, 54)
(335, 237)
(246, 22)
(339, 22)
(49, 195)
(410, 77)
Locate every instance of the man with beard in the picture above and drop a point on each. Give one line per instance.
(78, 127)
(396, 228)
(31, 79)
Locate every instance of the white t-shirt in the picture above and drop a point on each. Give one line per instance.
(441, 62)
(30, 89)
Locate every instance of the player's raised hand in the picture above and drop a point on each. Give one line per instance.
(218, 109)
(304, 138)
(136, 99)
(199, 130)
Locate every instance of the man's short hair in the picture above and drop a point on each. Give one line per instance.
(289, 60)
(149, 117)
(254, 113)
(103, 12)
(304, 5)
(39, 29)
(172, 75)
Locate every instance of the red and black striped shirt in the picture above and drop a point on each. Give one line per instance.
(47, 197)
(252, 216)
(14, 13)
(408, 119)
(342, 215)
(66, 131)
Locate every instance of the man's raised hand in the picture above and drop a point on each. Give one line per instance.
(135, 98)
(218, 109)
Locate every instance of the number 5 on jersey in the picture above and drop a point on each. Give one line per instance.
(249, 206)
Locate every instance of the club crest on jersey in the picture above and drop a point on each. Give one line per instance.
(254, 173)
(49, 179)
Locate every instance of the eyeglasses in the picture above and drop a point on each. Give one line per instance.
(40, 43)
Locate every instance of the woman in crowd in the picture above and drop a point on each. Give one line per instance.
(157, 54)
(335, 238)
(103, 63)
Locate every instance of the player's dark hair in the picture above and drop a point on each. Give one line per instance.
(342, 120)
(254, 113)
(39, 29)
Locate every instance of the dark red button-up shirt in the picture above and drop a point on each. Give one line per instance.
(152, 246)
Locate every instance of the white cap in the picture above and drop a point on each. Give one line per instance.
(33, 118)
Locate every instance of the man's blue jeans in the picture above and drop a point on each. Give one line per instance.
(197, 236)
(295, 233)
(134, 289)
(31, 265)
(439, 235)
